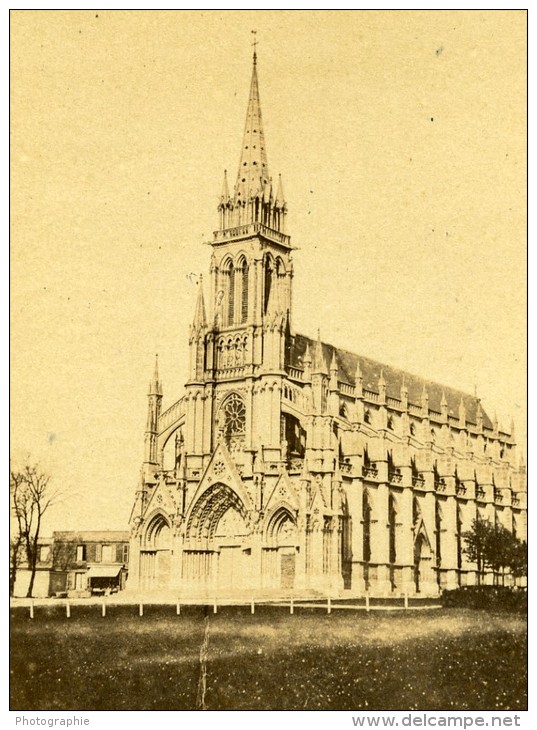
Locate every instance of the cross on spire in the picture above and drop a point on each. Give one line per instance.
(254, 44)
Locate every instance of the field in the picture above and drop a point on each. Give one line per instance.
(444, 659)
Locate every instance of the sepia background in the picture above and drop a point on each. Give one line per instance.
(401, 140)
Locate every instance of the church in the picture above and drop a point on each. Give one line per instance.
(290, 466)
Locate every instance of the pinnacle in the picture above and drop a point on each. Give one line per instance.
(155, 384)
(225, 189)
(280, 200)
(200, 319)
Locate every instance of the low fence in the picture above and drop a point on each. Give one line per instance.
(326, 605)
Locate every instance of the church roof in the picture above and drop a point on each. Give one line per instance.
(394, 377)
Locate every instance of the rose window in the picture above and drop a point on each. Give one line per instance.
(234, 416)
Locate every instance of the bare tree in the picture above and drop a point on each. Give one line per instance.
(16, 540)
(31, 495)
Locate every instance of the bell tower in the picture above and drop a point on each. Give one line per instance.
(251, 265)
(238, 345)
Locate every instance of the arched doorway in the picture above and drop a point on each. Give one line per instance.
(418, 561)
(279, 554)
(216, 554)
(232, 558)
(423, 563)
(155, 556)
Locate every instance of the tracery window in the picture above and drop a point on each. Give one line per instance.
(233, 420)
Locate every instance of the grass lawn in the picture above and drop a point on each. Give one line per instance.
(447, 659)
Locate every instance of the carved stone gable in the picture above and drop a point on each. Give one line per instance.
(283, 493)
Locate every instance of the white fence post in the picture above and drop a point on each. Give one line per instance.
(103, 608)
(252, 606)
(31, 609)
(367, 602)
(291, 607)
(178, 609)
(141, 609)
(68, 609)
(406, 599)
(215, 607)
(328, 605)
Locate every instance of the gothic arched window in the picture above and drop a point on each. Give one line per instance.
(244, 293)
(268, 280)
(438, 517)
(366, 521)
(392, 525)
(228, 287)
(231, 296)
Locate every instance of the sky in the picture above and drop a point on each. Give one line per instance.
(401, 140)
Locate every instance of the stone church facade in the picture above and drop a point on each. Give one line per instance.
(291, 465)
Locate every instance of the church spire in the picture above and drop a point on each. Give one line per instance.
(255, 198)
(253, 173)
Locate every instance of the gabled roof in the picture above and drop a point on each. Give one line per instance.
(371, 371)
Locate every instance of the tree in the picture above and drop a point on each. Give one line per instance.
(31, 495)
(477, 540)
(518, 558)
(496, 548)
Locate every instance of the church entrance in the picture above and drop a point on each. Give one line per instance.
(280, 551)
(217, 557)
(155, 559)
(287, 571)
(231, 568)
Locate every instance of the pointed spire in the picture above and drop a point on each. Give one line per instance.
(479, 416)
(382, 387)
(495, 424)
(404, 393)
(443, 402)
(319, 363)
(155, 386)
(425, 400)
(462, 414)
(253, 172)
(200, 319)
(280, 200)
(267, 192)
(512, 429)
(225, 190)
(358, 381)
(334, 372)
(333, 363)
(307, 363)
